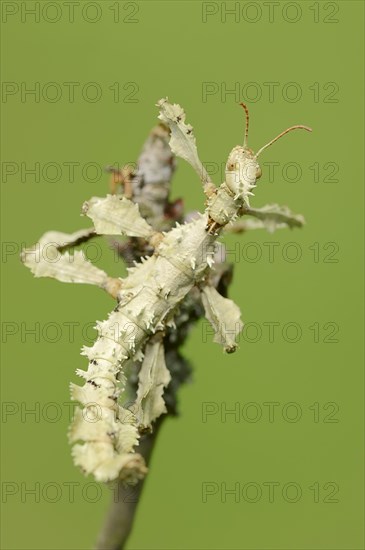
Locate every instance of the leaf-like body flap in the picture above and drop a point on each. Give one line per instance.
(224, 316)
(182, 140)
(108, 466)
(270, 217)
(275, 216)
(117, 216)
(46, 260)
(154, 376)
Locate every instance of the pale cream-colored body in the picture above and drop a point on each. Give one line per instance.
(103, 432)
(147, 303)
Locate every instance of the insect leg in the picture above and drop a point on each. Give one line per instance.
(270, 217)
(182, 141)
(50, 257)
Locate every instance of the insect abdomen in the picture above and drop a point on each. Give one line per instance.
(148, 299)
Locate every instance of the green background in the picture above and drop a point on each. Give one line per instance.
(170, 52)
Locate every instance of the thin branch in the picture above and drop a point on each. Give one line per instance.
(120, 516)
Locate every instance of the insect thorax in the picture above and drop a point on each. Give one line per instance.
(223, 206)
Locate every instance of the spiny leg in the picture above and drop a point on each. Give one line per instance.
(270, 217)
(224, 316)
(119, 216)
(182, 141)
(50, 257)
(153, 378)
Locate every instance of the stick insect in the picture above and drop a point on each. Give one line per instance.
(104, 434)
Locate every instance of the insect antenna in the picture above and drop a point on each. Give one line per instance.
(247, 121)
(297, 127)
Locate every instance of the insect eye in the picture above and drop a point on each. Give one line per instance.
(258, 172)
